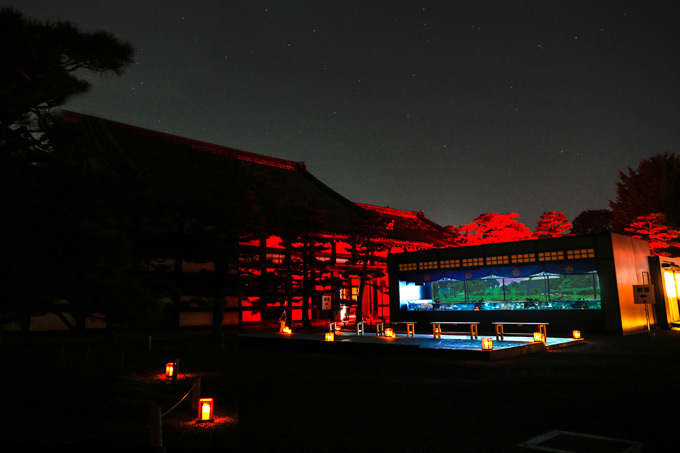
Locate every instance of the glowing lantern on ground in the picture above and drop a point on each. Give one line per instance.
(539, 337)
(389, 332)
(487, 344)
(576, 334)
(205, 409)
(437, 333)
(330, 336)
(287, 330)
(169, 369)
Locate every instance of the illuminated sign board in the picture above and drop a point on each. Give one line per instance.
(643, 294)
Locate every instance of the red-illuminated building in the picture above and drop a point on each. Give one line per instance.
(252, 237)
(290, 239)
(388, 231)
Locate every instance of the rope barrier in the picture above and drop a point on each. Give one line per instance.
(183, 398)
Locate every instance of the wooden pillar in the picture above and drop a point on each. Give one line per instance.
(156, 423)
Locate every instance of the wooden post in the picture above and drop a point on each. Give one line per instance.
(196, 394)
(174, 371)
(156, 427)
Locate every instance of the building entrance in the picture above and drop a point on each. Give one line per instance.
(671, 283)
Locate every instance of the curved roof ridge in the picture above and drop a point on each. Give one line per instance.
(243, 155)
(390, 211)
(202, 146)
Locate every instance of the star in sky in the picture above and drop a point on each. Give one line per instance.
(455, 108)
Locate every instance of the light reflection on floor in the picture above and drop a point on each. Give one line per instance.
(459, 342)
(455, 346)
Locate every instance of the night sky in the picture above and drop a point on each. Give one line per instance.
(457, 108)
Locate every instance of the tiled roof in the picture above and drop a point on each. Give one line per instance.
(408, 226)
(274, 194)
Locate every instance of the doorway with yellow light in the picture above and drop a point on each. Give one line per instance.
(665, 273)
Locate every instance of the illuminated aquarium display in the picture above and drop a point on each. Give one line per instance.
(575, 282)
(538, 292)
(546, 285)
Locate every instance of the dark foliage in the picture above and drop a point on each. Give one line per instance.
(592, 221)
(38, 72)
(72, 232)
(653, 187)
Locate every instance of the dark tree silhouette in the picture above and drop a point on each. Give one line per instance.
(38, 72)
(593, 221)
(363, 249)
(72, 234)
(64, 234)
(653, 187)
(301, 275)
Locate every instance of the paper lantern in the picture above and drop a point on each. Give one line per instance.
(487, 344)
(205, 409)
(287, 330)
(539, 337)
(330, 336)
(576, 334)
(169, 369)
(389, 332)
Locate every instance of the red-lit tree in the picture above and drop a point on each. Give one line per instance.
(491, 228)
(364, 246)
(310, 271)
(653, 228)
(302, 274)
(552, 224)
(362, 263)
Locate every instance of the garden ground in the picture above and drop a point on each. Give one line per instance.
(94, 393)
